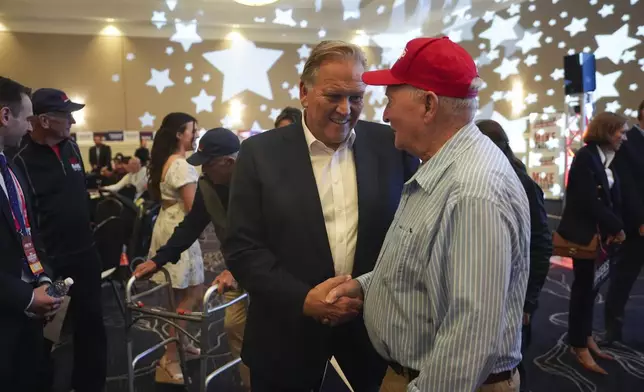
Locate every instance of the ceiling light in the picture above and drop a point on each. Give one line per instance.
(3, 27)
(111, 30)
(255, 3)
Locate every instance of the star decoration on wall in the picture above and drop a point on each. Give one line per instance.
(529, 41)
(606, 85)
(147, 120)
(186, 34)
(606, 10)
(203, 102)
(284, 17)
(576, 26)
(158, 19)
(612, 46)
(501, 30)
(294, 92)
(508, 67)
(160, 80)
(304, 52)
(249, 71)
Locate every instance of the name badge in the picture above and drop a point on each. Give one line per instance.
(31, 255)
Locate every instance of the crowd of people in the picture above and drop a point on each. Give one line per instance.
(414, 257)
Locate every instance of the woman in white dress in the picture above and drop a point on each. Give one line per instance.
(173, 182)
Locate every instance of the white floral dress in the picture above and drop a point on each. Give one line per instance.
(189, 270)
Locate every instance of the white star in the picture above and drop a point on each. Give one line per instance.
(481, 46)
(507, 68)
(187, 80)
(304, 51)
(351, 9)
(613, 106)
(550, 109)
(228, 121)
(633, 2)
(493, 55)
(376, 95)
(262, 107)
(189, 67)
(257, 19)
(294, 92)
(284, 85)
(378, 113)
(530, 41)
(593, 2)
(606, 10)
(550, 92)
(169, 50)
(561, 45)
(303, 24)
(186, 34)
(203, 102)
(249, 71)
(130, 57)
(284, 17)
(612, 46)
(274, 114)
(563, 15)
(488, 16)
(116, 78)
(205, 78)
(300, 67)
(160, 80)
(322, 33)
(626, 18)
(147, 120)
(552, 22)
(576, 26)
(531, 60)
(158, 19)
(606, 85)
(171, 4)
(497, 95)
(514, 129)
(557, 74)
(548, 40)
(633, 87)
(531, 98)
(628, 56)
(536, 23)
(640, 31)
(514, 9)
(501, 30)
(532, 7)
(381, 9)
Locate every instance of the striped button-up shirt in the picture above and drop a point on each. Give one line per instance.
(446, 295)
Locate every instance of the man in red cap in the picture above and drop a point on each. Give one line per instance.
(445, 300)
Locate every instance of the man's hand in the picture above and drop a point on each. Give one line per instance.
(145, 269)
(620, 237)
(42, 304)
(350, 289)
(226, 281)
(642, 231)
(342, 310)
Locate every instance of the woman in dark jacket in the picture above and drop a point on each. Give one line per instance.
(540, 235)
(592, 205)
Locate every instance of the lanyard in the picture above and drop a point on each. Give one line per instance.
(21, 222)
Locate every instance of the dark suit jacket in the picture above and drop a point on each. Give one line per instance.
(629, 164)
(277, 246)
(589, 202)
(15, 294)
(104, 159)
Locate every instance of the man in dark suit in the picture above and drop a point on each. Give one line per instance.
(629, 164)
(23, 281)
(100, 155)
(309, 206)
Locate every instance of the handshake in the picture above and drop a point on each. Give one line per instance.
(334, 301)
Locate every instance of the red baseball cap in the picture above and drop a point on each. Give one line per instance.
(431, 64)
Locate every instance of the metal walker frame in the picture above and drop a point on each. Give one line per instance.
(204, 318)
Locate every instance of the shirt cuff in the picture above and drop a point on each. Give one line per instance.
(44, 279)
(29, 314)
(364, 281)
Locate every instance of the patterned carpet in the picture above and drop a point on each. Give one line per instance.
(550, 367)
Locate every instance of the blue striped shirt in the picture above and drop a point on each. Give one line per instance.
(446, 295)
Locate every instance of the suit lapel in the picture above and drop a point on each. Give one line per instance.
(366, 162)
(296, 161)
(6, 208)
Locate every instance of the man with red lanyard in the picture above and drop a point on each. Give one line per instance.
(52, 163)
(23, 281)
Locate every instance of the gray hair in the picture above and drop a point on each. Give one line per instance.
(458, 106)
(330, 50)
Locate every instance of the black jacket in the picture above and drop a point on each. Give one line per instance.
(589, 202)
(104, 159)
(15, 294)
(277, 246)
(61, 204)
(540, 242)
(629, 164)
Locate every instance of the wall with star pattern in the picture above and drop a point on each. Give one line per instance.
(131, 83)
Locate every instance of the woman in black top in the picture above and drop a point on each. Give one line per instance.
(592, 205)
(540, 235)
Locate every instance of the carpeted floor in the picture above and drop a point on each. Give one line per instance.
(550, 366)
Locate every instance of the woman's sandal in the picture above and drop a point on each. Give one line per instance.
(168, 372)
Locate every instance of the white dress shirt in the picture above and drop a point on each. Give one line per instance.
(139, 180)
(607, 158)
(335, 175)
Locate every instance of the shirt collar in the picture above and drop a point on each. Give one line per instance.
(640, 129)
(312, 140)
(430, 171)
(606, 156)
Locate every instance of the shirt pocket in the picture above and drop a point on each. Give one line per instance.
(407, 258)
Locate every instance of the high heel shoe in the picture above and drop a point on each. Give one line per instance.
(190, 349)
(168, 372)
(586, 360)
(592, 346)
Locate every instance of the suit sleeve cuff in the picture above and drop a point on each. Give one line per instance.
(29, 305)
(364, 281)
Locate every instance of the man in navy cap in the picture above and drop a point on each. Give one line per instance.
(216, 154)
(53, 165)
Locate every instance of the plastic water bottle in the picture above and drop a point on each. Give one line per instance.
(60, 288)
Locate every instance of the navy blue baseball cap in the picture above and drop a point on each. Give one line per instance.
(47, 100)
(217, 142)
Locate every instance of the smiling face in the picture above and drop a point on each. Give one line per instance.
(334, 101)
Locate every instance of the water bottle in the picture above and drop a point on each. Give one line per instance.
(59, 288)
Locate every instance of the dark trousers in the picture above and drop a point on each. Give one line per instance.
(22, 362)
(86, 312)
(582, 302)
(526, 339)
(623, 277)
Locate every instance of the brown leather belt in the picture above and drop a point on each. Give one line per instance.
(499, 377)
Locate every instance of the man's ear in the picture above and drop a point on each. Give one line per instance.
(5, 114)
(304, 92)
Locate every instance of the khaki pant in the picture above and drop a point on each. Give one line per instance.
(234, 323)
(394, 382)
